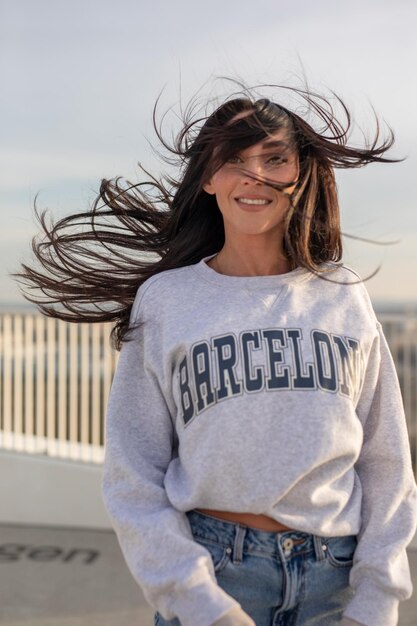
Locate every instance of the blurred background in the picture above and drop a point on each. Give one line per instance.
(79, 80)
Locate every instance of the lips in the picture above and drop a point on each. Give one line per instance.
(252, 203)
(254, 200)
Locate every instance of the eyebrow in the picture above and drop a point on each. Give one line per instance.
(276, 144)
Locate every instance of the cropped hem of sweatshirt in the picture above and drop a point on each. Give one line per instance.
(273, 395)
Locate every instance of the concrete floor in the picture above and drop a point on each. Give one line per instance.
(67, 577)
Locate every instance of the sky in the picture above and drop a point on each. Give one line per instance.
(79, 80)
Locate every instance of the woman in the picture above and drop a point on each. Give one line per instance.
(257, 464)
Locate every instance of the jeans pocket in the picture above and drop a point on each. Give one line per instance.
(219, 553)
(340, 550)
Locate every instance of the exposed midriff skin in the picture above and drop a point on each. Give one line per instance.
(260, 522)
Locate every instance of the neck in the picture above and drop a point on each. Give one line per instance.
(242, 263)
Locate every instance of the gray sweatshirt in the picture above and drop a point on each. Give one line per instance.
(220, 372)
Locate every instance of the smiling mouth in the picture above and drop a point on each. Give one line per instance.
(254, 201)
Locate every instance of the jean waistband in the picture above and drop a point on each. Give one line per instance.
(239, 538)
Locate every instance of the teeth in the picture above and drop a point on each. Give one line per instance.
(253, 201)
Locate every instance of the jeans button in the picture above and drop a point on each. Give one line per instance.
(288, 544)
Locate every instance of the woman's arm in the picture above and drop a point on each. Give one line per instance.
(175, 572)
(380, 574)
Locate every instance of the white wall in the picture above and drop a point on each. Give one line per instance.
(40, 490)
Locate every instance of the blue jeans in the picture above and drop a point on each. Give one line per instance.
(288, 578)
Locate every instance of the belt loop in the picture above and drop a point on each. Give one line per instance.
(238, 544)
(319, 547)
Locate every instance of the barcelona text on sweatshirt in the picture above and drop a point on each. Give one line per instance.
(273, 395)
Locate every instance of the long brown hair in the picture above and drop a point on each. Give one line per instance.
(93, 262)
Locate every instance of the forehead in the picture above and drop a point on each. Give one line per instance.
(275, 141)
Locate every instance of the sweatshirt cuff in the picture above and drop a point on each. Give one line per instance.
(202, 604)
(373, 606)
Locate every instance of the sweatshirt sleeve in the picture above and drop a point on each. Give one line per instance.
(175, 572)
(380, 574)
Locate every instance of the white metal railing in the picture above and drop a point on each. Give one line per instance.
(55, 379)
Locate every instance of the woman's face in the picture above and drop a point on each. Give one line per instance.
(249, 206)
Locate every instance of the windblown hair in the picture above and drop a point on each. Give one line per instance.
(93, 262)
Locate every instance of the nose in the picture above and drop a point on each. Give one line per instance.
(253, 166)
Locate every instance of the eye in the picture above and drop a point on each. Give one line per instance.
(233, 159)
(277, 159)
